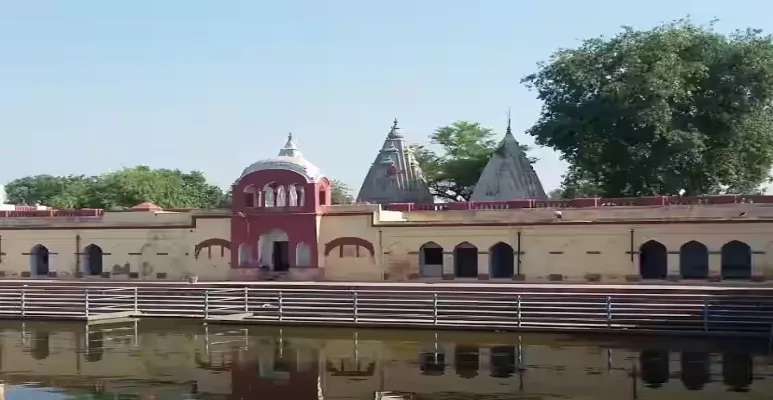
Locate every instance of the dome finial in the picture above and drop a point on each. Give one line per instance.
(394, 133)
(290, 149)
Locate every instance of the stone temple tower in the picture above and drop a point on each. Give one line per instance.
(508, 174)
(395, 176)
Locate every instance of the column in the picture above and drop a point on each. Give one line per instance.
(484, 258)
(448, 265)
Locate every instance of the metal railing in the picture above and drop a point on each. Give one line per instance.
(684, 311)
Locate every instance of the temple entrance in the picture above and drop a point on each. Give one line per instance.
(40, 259)
(736, 260)
(94, 260)
(431, 260)
(502, 263)
(274, 248)
(653, 260)
(281, 256)
(466, 260)
(694, 260)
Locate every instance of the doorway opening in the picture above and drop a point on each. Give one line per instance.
(281, 256)
(466, 260)
(736, 260)
(94, 260)
(653, 260)
(502, 262)
(40, 260)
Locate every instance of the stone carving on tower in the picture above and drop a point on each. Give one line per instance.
(395, 175)
(508, 175)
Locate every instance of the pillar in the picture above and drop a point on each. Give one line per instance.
(484, 258)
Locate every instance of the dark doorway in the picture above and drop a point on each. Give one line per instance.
(466, 260)
(696, 369)
(467, 361)
(736, 260)
(96, 346)
(432, 362)
(41, 345)
(737, 371)
(655, 367)
(40, 259)
(431, 260)
(281, 256)
(501, 263)
(653, 260)
(694, 260)
(94, 257)
(502, 361)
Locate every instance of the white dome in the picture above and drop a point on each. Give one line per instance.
(289, 159)
(296, 164)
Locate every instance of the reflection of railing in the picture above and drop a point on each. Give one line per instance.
(521, 307)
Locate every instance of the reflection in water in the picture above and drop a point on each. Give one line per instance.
(696, 369)
(654, 367)
(174, 360)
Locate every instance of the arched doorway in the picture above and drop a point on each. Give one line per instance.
(40, 260)
(467, 361)
(502, 262)
(502, 361)
(736, 260)
(431, 260)
(274, 250)
(465, 260)
(94, 259)
(696, 369)
(653, 260)
(694, 260)
(737, 371)
(655, 367)
(432, 362)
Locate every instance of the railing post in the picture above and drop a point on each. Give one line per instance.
(518, 309)
(355, 306)
(246, 299)
(706, 315)
(206, 304)
(281, 311)
(434, 308)
(86, 303)
(136, 300)
(24, 300)
(609, 311)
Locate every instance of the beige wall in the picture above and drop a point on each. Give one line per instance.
(165, 244)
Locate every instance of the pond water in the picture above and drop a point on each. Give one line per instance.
(163, 359)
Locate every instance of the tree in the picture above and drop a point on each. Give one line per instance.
(341, 193)
(118, 190)
(675, 109)
(465, 149)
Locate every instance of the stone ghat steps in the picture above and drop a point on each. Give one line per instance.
(598, 308)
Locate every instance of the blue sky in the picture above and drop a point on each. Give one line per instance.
(215, 85)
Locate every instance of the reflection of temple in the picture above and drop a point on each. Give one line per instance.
(225, 362)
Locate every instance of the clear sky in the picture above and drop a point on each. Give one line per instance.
(91, 86)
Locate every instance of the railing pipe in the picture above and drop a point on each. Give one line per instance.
(206, 304)
(434, 308)
(86, 303)
(355, 306)
(706, 315)
(518, 309)
(246, 299)
(281, 306)
(609, 311)
(24, 301)
(136, 300)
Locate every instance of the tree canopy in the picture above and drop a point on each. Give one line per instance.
(678, 109)
(340, 192)
(463, 149)
(118, 190)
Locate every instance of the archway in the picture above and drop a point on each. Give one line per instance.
(501, 262)
(465, 260)
(736, 260)
(655, 367)
(431, 260)
(653, 260)
(737, 371)
(502, 361)
(40, 260)
(432, 362)
(696, 369)
(244, 255)
(274, 250)
(694, 260)
(41, 344)
(467, 361)
(94, 259)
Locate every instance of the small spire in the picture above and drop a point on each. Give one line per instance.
(508, 132)
(394, 133)
(290, 149)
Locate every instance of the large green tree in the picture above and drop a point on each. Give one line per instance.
(340, 193)
(679, 108)
(455, 158)
(118, 190)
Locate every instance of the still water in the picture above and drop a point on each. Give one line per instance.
(153, 359)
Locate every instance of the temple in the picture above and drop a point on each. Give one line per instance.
(282, 225)
(508, 174)
(395, 175)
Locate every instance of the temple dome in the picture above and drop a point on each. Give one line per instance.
(289, 159)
